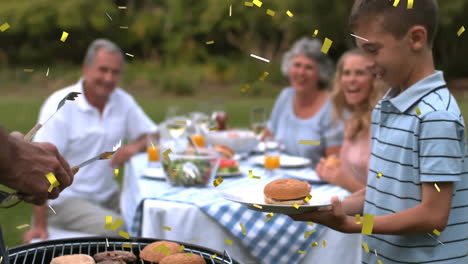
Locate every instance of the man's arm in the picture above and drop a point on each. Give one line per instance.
(127, 151)
(39, 228)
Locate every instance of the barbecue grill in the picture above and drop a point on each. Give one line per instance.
(44, 252)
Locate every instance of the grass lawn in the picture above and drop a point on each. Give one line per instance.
(21, 114)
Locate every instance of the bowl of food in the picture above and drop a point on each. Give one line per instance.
(239, 140)
(191, 168)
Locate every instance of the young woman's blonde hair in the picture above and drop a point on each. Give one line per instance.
(360, 118)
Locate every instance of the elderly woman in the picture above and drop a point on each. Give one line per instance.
(303, 110)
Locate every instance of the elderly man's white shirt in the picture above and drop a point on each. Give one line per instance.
(80, 132)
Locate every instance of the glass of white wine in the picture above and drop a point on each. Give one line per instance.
(258, 120)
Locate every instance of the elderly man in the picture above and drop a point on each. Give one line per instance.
(101, 117)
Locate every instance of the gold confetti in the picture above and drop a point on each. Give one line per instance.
(418, 111)
(189, 254)
(252, 176)
(265, 74)
(47, 73)
(379, 175)
(296, 206)
(53, 211)
(107, 242)
(410, 4)
(315, 33)
(166, 154)
(436, 232)
(366, 248)
(307, 198)
(270, 12)
(181, 248)
(358, 219)
(117, 224)
(4, 27)
(214, 256)
(210, 42)
(180, 122)
(122, 7)
(218, 181)
(28, 70)
(108, 222)
(194, 240)
(309, 142)
(163, 249)
(230, 10)
(124, 234)
(257, 3)
(64, 36)
(245, 88)
(110, 18)
(379, 261)
(127, 245)
(228, 241)
(300, 252)
(52, 180)
(1, 259)
(270, 215)
(248, 3)
(395, 4)
(259, 58)
(324, 243)
(310, 223)
(460, 31)
(289, 13)
(116, 172)
(123, 27)
(258, 206)
(213, 128)
(22, 226)
(326, 45)
(130, 55)
(244, 232)
(375, 251)
(437, 187)
(314, 244)
(368, 224)
(167, 228)
(307, 234)
(359, 37)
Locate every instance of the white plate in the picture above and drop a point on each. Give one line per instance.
(254, 195)
(154, 173)
(230, 174)
(286, 161)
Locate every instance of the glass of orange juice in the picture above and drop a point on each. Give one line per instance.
(272, 156)
(199, 140)
(152, 148)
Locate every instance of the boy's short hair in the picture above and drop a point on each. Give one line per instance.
(397, 20)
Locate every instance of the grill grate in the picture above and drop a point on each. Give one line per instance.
(44, 252)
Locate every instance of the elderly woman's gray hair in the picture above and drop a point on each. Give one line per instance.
(101, 44)
(311, 49)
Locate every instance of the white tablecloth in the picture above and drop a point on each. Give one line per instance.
(190, 223)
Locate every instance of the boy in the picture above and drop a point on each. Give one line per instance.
(417, 182)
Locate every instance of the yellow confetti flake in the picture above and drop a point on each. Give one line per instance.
(64, 36)
(130, 55)
(108, 222)
(163, 249)
(244, 232)
(127, 245)
(245, 88)
(252, 176)
(124, 234)
(123, 27)
(418, 111)
(166, 154)
(22, 226)
(257, 3)
(314, 244)
(248, 4)
(4, 27)
(194, 240)
(366, 248)
(379, 175)
(116, 172)
(436, 232)
(210, 42)
(307, 234)
(265, 74)
(188, 254)
(52, 180)
(180, 122)
(218, 181)
(379, 261)
(296, 206)
(167, 228)
(309, 142)
(368, 224)
(410, 4)
(289, 13)
(28, 70)
(228, 241)
(395, 4)
(326, 45)
(117, 224)
(181, 248)
(460, 31)
(437, 187)
(307, 198)
(270, 215)
(213, 128)
(122, 7)
(375, 251)
(107, 242)
(214, 256)
(300, 252)
(324, 243)
(270, 12)
(258, 206)
(310, 223)
(315, 33)
(230, 10)
(358, 219)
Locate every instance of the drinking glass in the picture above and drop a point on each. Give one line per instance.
(258, 120)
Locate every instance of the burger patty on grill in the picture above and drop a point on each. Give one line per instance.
(125, 256)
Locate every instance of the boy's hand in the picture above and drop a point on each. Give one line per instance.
(334, 218)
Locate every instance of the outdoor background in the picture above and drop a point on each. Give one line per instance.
(171, 63)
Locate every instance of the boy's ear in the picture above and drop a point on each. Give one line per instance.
(417, 37)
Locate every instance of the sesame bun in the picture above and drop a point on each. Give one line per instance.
(225, 151)
(332, 161)
(73, 259)
(286, 191)
(150, 255)
(183, 258)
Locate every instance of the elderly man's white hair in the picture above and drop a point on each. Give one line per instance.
(101, 44)
(311, 49)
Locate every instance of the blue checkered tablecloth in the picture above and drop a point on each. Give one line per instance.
(276, 241)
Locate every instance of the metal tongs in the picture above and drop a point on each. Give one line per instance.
(103, 156)
(70, 96)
